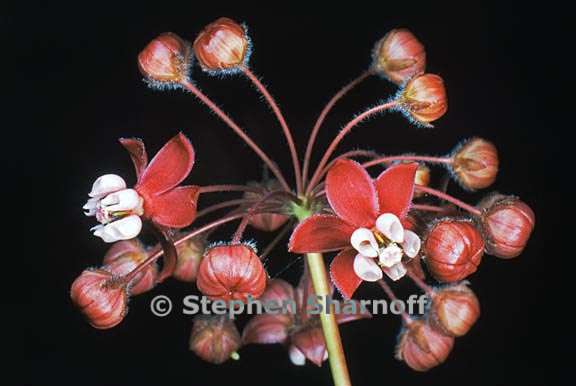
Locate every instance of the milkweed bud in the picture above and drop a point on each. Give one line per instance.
(507, 223)
(453, 249)
(123, 257)
(99, 298)
(222, 46)
(231, 272)
(421, 347)
(214, 338)
(454, 309)
(399, 56)
(189, 257)
(166, 61)
(475, 164)
(423, 98)
(267, 222)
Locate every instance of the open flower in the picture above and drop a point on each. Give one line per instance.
(300, 328)
(368, 227)
(156, 195)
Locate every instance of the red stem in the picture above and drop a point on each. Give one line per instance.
(275, 241)
(444, 160)
(157, 252)
(241, 133)
(349, 154)
(220, 205)
(428, 208)
(393, 297)
(314, 133)
(419, 282)
(242, 226)
(372, 111)
(287, 133)
(228, 188)
(449, 198)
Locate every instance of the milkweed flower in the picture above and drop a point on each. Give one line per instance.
(367, 227)
(155, 197)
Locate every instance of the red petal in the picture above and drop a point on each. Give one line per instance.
(137, 151)
(351, 193)
(320, 233)
(395, 187)
(169, 167)
(342, 273)
(312, 344)
(174, 209)
(267, 329)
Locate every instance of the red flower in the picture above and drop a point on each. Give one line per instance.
(299, 328)
(156, 195)
(165, 203)
(369, 224)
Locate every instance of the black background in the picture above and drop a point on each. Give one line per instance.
(72, 87)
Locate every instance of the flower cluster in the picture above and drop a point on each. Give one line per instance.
(384, 227)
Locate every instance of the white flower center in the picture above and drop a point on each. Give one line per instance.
(117, 208)
(388, 242)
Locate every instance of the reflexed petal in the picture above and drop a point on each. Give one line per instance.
(363, 241)
(106, 184)
(351, 193)
(411, 243)
(391, 227)
(122, 229)
(169, 167)
(296, 356)
(395, 187)
(174, 209)
(366, 268)
(137, 151)
(395, 272)
(127, 199)
(320, 233)
(342, 273)
(390, 256)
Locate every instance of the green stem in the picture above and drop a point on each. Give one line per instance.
(322, 290)
(336, 355)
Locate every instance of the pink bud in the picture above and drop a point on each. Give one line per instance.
(214, 338)
(399, 56)
(189, 257)
(421, 347)
(123, 257)
(100, 298)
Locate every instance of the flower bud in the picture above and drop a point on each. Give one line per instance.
(475, 164)
(189, 257)
(267, 222)
(454, 309)
(453, 249)
(222, 46)
(421, 347)
(214, 338)
(165, 60)
(231, 272)
(99, 298)
(423, 98)
(124, 257)
(507, 223)
(399, 56)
